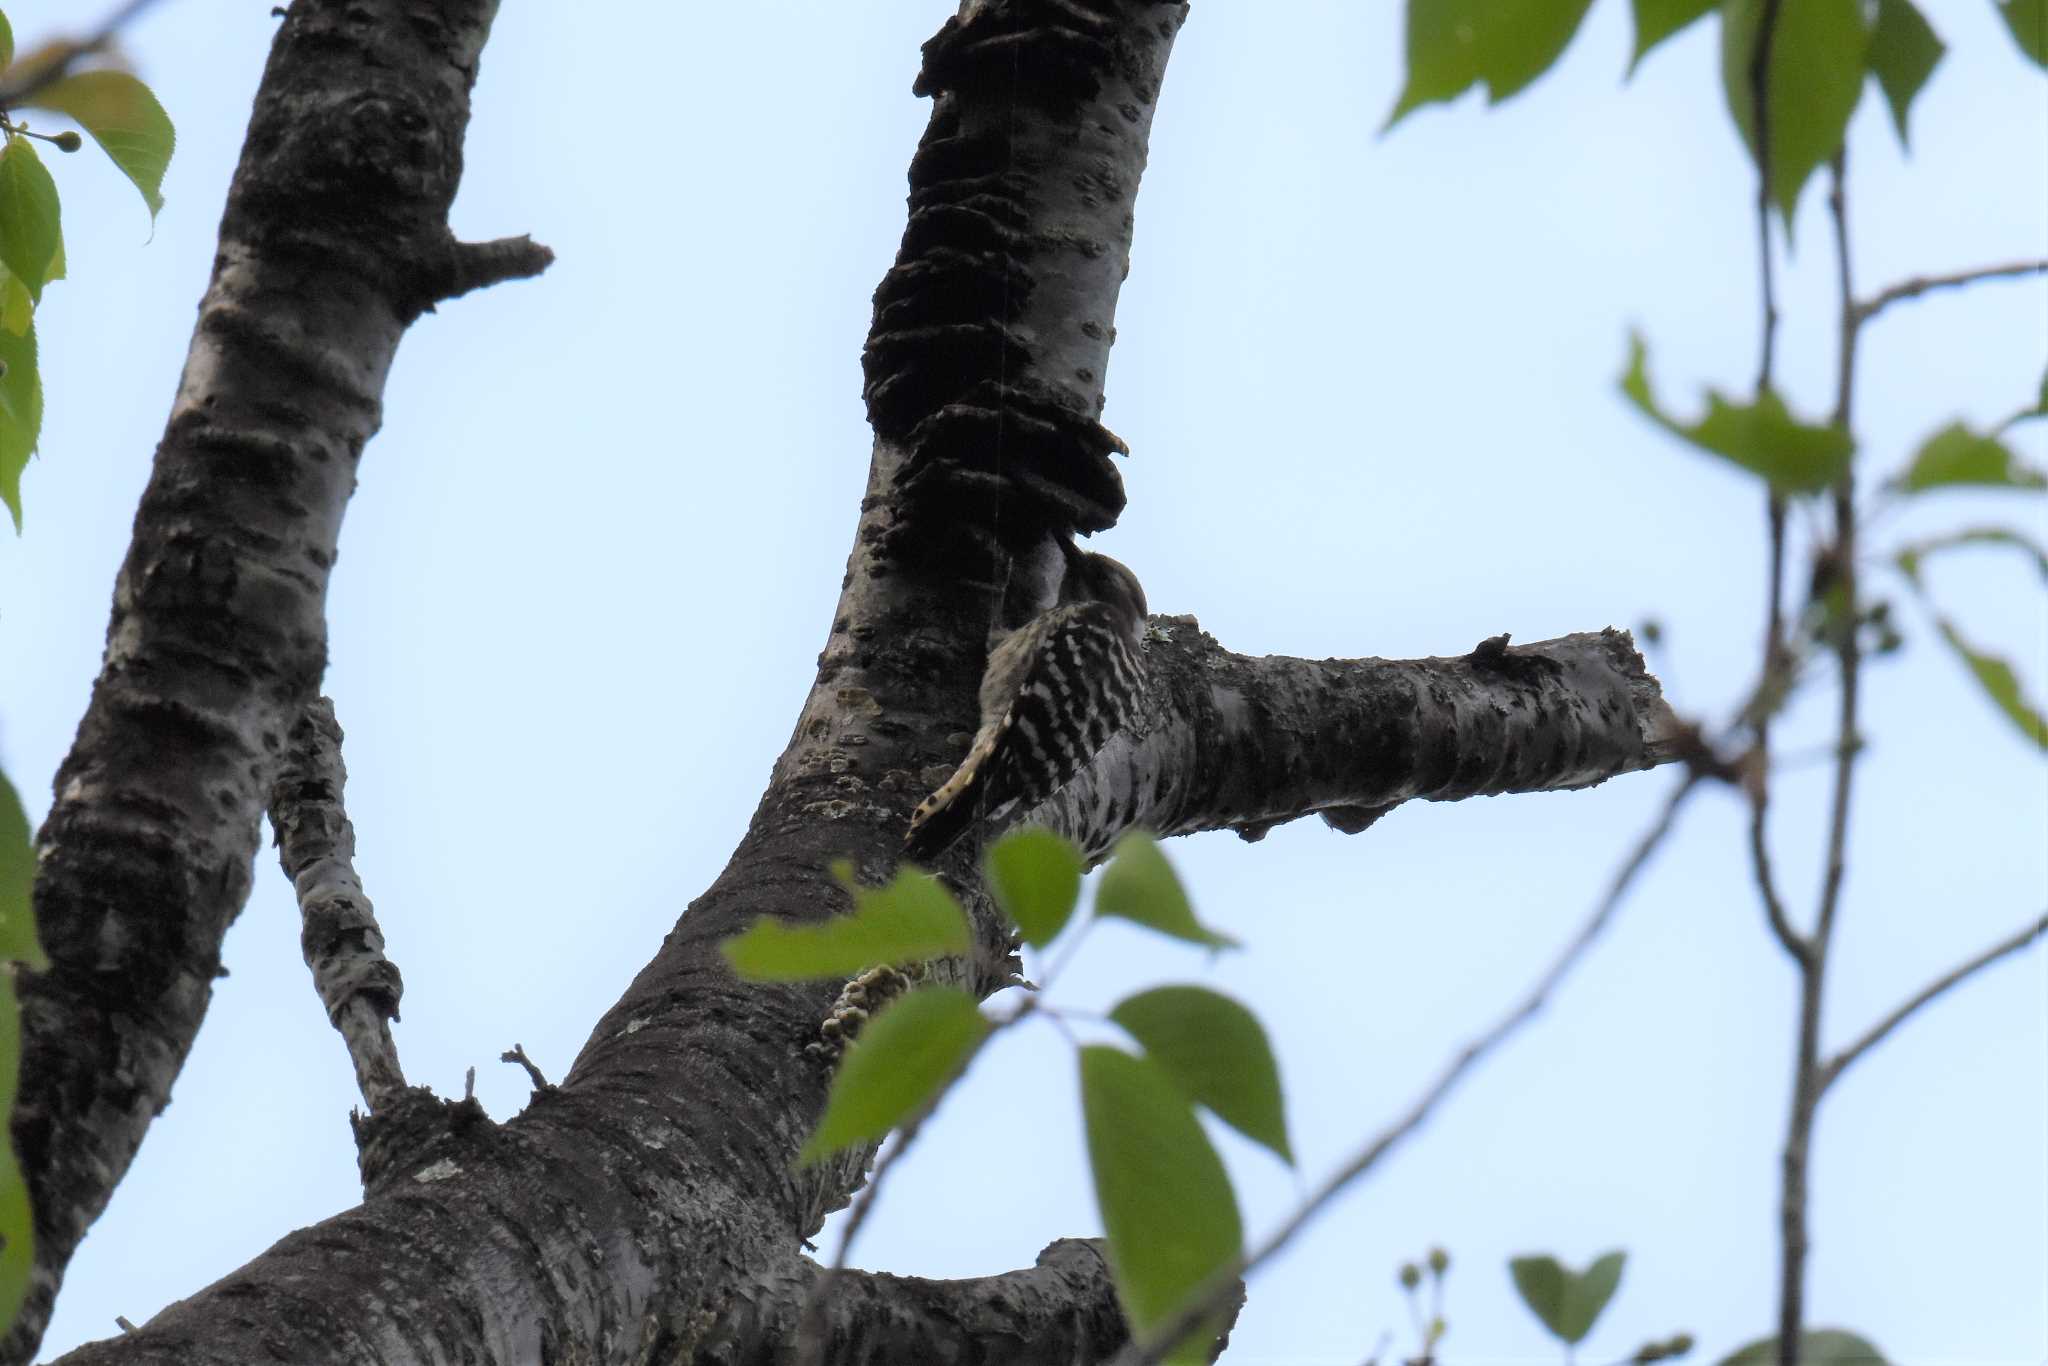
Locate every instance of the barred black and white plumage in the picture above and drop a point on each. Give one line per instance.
(1053, 693)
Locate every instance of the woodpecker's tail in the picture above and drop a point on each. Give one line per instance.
(935, 825)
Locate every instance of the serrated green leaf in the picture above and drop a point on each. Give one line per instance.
(1215, 1050)
(2000, 684)
(1568, 1302)
(1908, 558)
(903, 1059)
(1818, 53)
(124, 118)
(21, 414)
(1167, 1206)
(30, 231)
(1036, 878)
(2027, 20)
(909, 921)
(1817, 1347)
(1762, 437)
(17, 883)
(1956, 456)
(1904, 50)
(1140, 885)
(1657, 20)
(17, 1230)
(6, 42)
(1453, 45)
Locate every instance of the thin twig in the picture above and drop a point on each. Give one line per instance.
(1841, 583)
(1215, 1292)
(57, 63)
(1774, 611)
(1926, 284)
(2011, 944)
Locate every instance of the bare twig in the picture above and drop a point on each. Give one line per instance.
(517, 1053)
(57, 62)
(342, 944)
(1214, 1294)
(1926, 284)
(1774, 611)
(1839, 582)
(1876, 1034)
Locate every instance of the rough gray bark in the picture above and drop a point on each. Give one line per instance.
(334, 238)
(648, 1209)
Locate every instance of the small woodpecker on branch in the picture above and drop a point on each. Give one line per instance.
(1053, 693)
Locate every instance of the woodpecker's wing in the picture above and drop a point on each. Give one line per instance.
(1077, 684)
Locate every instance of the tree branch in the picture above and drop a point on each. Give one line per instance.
(1955, 976)
(1063, 1309)
(1216, 1295)
(1924, 284)
(218, 633)
(358, 985)
(1244, 743)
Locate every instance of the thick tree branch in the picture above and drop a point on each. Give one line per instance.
(343, 945)
(1245, 743)
(1064, 1309)
(218, 637)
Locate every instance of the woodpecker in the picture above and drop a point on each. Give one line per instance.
(1053, 693)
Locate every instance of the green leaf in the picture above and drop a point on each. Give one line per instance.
(2028, 20)
(124, 118)
(6, 42)
(903, 1059)
(1167, 1204)
(2000, 684)
(1140, 885)
(1657, 20)
(1904, 51)
(1453, 45)
(17, 310)
(1216, 1052)
(1817, 63)
(1036, 877)
(17, 883)
(1909, 557)
(17, 1231)
(1762, 437)
(30, 234)
(1568, 1302)
(1817, 1347)
(21, 414)
(909, 921)
(1955, 456)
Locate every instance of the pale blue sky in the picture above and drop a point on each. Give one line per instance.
(1369, 387)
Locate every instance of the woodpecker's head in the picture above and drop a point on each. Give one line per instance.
(1098, 578)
